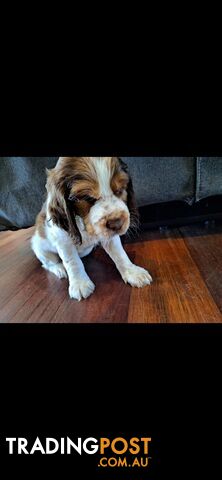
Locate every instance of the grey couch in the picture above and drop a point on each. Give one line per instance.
(156, 180)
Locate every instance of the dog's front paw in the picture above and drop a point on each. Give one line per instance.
(58, 269)
(136, 276)
(81, 288)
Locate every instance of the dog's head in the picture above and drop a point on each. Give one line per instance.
(97, 189)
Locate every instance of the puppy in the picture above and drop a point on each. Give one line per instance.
(90, 201)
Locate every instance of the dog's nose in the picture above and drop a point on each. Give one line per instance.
(114, 224)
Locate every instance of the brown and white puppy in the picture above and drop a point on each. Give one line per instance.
(90, 201)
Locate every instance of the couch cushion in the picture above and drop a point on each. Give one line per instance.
(162, 179)
(22, 188)
(209, 177)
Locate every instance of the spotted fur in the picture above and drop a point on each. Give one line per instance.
(90, 201)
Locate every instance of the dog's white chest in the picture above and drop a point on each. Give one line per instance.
(88, 241)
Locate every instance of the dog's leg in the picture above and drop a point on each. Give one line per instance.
(52, 263)
(80, 285)
(135, 276)
(50, 260)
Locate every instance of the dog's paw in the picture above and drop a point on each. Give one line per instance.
(58, 269)
(81, 288)
(137, 276)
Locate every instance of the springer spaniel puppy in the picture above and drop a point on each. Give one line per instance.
(90, 201)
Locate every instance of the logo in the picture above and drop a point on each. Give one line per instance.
(118, 452)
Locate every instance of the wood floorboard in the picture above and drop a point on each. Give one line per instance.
(186, 265)
(110, 301)
(205, 246)
(178, 293)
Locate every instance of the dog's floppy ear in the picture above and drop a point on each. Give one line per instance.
(61, 209)
(131, 199)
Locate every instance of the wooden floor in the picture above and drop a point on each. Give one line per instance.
(186, 265)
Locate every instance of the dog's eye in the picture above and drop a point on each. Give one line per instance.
(79, 198)
(88, 199)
